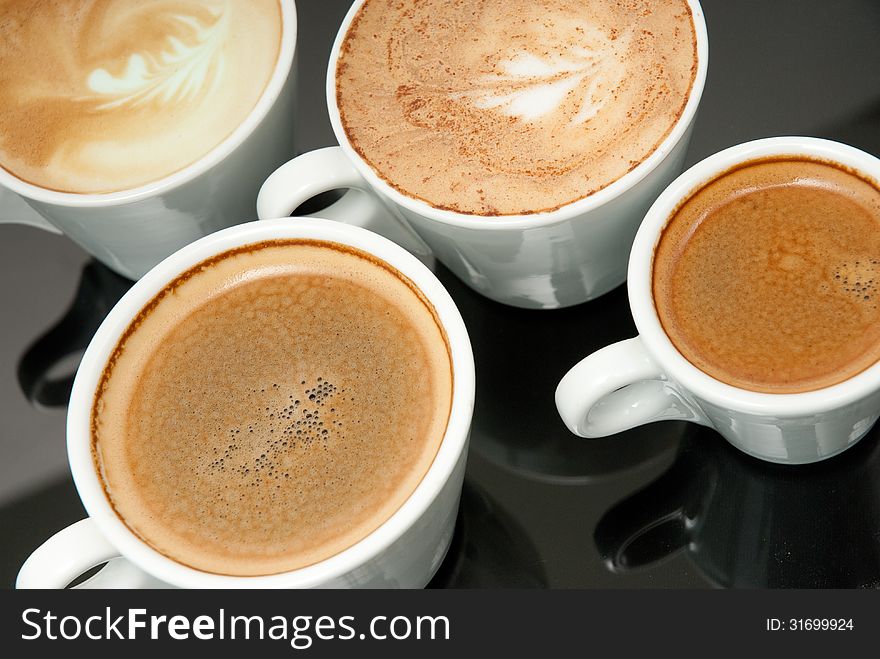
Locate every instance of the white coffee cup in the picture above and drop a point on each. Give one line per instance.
(538, 261)
(405, 551)
(132, 230)
(646, 379)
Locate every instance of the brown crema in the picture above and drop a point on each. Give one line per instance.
(768, 277)
(505, 107)
(272, 407)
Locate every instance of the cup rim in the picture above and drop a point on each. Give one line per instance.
(641, 299)
(452, 446)
(524, 221)
(221, 151)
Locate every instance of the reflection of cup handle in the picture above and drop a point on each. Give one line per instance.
(323, 170)
(98, 291)
(65, 556)
(14, 210)
(617, 388)
(69, 336)
(647, 527)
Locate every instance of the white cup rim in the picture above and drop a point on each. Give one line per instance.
(454, 441)
(641, 300)
(267, 100)
(564, 213)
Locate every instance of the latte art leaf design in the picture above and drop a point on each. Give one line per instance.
(529, 86)
(179, 72)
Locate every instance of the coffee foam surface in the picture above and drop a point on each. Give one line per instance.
(273, 408)
(768, 278)
(512, 106)
(106, 95)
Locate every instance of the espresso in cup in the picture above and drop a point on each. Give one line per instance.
(272, 406)
(768, 276)
(512, 106)
(102, 96)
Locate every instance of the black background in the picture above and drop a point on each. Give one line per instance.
(667, 505)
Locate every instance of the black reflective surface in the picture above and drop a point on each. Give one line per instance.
(749, 524)
(666, 505)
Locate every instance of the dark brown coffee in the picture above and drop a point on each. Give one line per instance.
(768, 277)
(272, 407)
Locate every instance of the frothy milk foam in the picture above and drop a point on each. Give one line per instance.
(100, 96)
(512, 106)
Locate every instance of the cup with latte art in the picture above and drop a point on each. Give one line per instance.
(137, 127)
(518, 141)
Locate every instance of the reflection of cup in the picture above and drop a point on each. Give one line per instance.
(405, 549)
(133, 229)
(537, 260)
(489, 549)
(749, 524)
(516, 426)
(647, 379)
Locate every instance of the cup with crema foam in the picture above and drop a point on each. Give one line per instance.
(754, 282)
(283, 403)
(519, 142)
(135, 128)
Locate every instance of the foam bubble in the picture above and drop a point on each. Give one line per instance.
(860, 279)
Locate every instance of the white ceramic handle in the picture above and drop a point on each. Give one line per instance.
(65, 556)
(120, 573)
(323, 170)
(617, 388)
(14, 210)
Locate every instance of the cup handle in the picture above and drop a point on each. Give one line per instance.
(617, 388)
(65, 556)
(120, 573)
(14, 210)
(323, 170)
